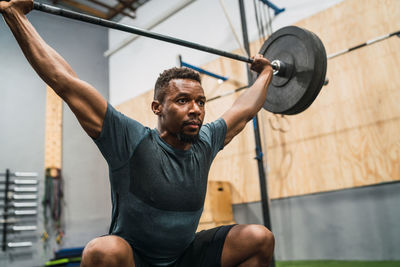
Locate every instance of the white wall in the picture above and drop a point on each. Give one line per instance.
(134, 69)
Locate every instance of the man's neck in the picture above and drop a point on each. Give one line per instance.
(173, 140)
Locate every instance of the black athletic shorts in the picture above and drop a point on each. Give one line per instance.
(204, 251)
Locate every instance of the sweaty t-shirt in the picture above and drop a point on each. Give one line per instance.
(157, 190)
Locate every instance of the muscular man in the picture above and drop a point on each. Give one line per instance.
(158, 176)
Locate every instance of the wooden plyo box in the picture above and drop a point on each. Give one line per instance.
(217, 206)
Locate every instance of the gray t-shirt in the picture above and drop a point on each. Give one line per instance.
(157, 191)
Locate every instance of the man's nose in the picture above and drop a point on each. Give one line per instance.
(195, 108)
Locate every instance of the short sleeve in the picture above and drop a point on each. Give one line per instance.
(119, 137)
(215, 133)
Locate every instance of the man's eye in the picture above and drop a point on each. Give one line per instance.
(181, 101)
(201, 103)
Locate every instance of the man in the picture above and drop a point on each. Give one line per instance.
(158, 177)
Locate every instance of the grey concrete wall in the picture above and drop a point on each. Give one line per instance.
(353, 224)
(22, 107)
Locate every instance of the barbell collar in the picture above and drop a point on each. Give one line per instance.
(281, 69)
(276, 66)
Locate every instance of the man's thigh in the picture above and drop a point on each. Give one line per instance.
(248, 244)
(206, 248)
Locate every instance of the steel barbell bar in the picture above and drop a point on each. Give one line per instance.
(276, 64)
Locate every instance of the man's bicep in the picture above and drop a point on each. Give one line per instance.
(88, 105)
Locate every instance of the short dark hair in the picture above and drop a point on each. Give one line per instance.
(170, 74)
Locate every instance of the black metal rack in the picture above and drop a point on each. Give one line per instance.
(259, 153)
(18, 200)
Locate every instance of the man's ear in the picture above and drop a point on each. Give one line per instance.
(156, 107)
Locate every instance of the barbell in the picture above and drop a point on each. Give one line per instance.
(297, 57)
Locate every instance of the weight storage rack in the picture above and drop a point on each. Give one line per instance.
(18, 208)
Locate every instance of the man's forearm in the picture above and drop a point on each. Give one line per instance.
(49, 65)
(252, 100)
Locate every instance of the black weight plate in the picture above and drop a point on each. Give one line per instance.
(297, 45)
(318, 77)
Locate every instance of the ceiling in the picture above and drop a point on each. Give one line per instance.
(105, 9)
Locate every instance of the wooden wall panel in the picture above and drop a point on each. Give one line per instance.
(53, 130)
(348, 137)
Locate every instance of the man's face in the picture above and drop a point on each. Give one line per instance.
(182, 112)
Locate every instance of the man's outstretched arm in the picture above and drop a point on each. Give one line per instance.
(87, 104)
(251, 101)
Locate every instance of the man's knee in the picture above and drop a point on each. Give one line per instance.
(107, 251)
(261, 237)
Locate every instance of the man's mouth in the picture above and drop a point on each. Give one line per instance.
(192, 124)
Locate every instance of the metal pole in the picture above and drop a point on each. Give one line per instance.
(259, 153)
(5, 214)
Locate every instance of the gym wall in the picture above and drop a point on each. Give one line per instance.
(346, 140)
(22, 137)
(333, 170)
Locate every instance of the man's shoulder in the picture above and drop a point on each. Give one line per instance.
(212, 131)
(218, 124)
(113, 112)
